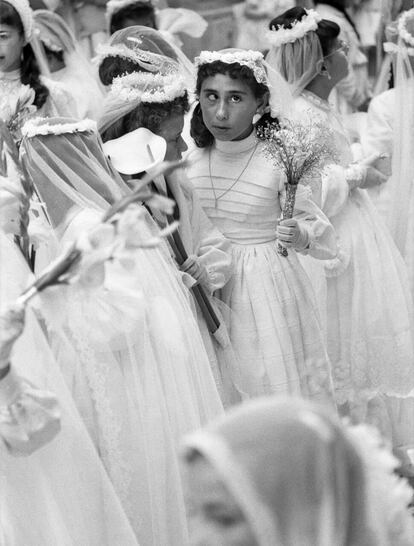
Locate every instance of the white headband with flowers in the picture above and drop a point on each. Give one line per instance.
(148, 87)
(280, 35)
(252, 59)
(402, 27)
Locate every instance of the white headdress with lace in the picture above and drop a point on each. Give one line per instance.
(296, 52)
(26, 15)
(280, 35)
(129, 91)
(280, 98)
(252, 59)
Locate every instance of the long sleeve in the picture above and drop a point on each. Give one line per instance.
(322, 237)
(211, 247)
(379, 133)
(29, 417)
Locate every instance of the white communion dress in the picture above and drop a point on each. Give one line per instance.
(142, 380)
(369, 309)
(274, 324)
(60, 494)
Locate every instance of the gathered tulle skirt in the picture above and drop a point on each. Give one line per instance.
(141, 381)
(369, 308)
(274, 325)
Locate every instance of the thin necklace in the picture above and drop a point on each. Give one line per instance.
(225, 192)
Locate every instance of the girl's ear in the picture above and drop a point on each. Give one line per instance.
(263, 103)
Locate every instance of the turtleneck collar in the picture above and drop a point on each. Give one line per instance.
(13, 75)
(236, 146)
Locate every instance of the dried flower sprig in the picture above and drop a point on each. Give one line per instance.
(300, 150)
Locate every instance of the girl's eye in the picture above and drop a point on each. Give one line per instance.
(235, 98)
(226, 520)
(211, 96)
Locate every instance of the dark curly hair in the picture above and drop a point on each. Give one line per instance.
(112, 67)
(148, 115)
(29, 69)
(327, 31)
(201, 135)
(139, 10)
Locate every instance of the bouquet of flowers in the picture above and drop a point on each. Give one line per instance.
(300, 151)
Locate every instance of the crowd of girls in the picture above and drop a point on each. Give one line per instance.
(191, 295)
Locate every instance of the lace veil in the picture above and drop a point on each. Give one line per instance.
(146, 47)
(296, 53)
(65, 160)
(401, 190)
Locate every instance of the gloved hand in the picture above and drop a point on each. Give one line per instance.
(197, 270)
(11, 327)
(364, 174)
(291, 234)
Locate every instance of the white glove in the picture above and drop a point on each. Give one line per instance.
(193, 267)
(291, 234)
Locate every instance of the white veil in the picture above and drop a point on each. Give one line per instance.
(401, 219)
(143, 46)
(56, 35)
(60, 494)
(296, 57)
(64, 181)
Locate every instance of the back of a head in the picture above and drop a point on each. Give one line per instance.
(124, 53)
(299, 39)
(65, 160)
(135, 13)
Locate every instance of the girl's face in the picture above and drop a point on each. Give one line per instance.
(228, 107)
(214, 517)
(337, 61)
(171, 129)
(11, 45)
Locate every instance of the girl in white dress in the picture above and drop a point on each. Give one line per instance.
(154, 100)
(54, 489)
(67, 63)
(274, 325)
(20, 69)
(369, 310)
(144, 377)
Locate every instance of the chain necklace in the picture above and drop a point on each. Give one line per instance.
(225, 192)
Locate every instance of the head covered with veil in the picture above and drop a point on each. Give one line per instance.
(139, 49)
(401, 46)
(299, 40)
(65, 160)
(283, 472)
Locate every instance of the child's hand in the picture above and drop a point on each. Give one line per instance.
(11, 327)
(193, 267)
(291, 235)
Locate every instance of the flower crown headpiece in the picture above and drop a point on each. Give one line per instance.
(402, 27)
(39, 126)
(148, 87)
(280, 35)
(113, 6)
(252, 59)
